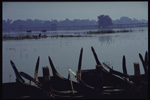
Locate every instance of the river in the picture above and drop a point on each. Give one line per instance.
(65, 51)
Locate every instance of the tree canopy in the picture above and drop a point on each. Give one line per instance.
(104, 21)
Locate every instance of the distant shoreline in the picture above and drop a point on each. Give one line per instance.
(86, 34)
(53, 36)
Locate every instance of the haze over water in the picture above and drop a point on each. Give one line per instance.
(73, 10)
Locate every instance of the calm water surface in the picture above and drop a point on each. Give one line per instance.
(64, 52)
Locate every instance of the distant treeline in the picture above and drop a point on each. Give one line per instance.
(31, 24)
(22, 25)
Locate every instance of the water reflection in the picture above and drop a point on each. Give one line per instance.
(11, 49)
(20, 53)
(106, 39)
(23, 53)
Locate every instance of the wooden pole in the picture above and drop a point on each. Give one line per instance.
(46, 81)
(46, 74)
(99, 77)
(137, 78)
(71, 84)
(136, 69)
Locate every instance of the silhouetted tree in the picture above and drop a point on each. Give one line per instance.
(104, 21)
(37, 24)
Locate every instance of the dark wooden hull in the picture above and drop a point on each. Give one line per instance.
(81, 90)
(90, 78)
(18, 90)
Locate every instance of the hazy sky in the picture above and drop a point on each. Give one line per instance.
(73, 10)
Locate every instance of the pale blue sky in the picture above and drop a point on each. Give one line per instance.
(73, 10)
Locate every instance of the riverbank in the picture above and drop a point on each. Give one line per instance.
(37, 37)
(78, 34)
(108, 31)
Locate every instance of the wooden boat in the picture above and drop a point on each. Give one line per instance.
(24, 90)
(113, 78)
(100, 79)
(92, 83)
(16, 90)
(60, 83)
(94, 92)
(90, 76)
(56, 87)
(20, 88)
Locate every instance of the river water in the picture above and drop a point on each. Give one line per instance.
(65, 51)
